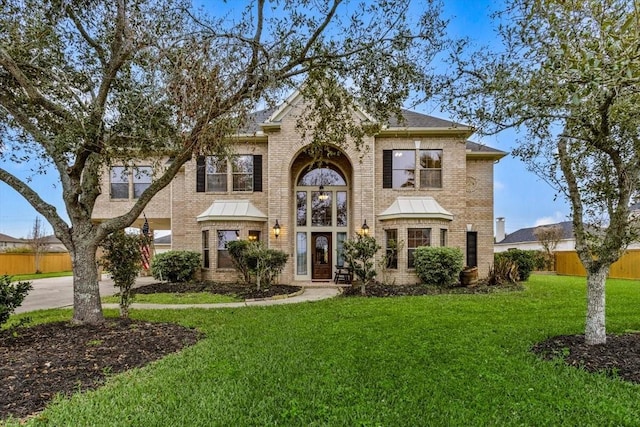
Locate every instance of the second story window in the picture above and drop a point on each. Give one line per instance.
(242, 170)
(214, 173)
(404, 168)
(430, 168)
(400, 167)
(129, 182)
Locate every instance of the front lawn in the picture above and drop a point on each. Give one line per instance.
(402, 361)
(176, 298)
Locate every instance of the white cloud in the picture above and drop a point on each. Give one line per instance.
(498, 185)
(554, 219)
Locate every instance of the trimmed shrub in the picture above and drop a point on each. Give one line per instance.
(11, 296)
(438, 265)
(175, 266)
(524, 260)
(238, 251)
(265, 263)
(359, 254)
(122, 257)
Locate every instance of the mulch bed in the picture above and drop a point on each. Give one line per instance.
(619, 357)
(239, 290)
(38, 362)
(382, 290)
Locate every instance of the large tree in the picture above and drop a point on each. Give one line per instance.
(86, 83)
(568, 76)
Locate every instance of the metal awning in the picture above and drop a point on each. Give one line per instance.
(416, 207)
(232, 210)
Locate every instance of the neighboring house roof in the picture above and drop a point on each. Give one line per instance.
(415, 207)
(232, 210)
(51, 240)
(164, 240)
(9, 239)
(527, 234)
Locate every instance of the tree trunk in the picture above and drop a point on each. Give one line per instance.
(595, 331)
(86, 292)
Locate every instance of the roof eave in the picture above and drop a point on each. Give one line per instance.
(474, 155)
(463, 131)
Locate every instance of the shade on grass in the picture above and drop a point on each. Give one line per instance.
(436, 360)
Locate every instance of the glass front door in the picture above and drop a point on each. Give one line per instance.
(321, 219)
(322, 256)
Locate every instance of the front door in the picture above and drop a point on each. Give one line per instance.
(321, 256)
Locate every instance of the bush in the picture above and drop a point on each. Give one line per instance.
(359, 253)
(503, 271)
(122, 257)
(438, 265)
(11, 296)
(265, 263)
(238, 250)
(175, 266)
(524, 260)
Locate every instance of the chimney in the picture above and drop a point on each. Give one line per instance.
(500, 234)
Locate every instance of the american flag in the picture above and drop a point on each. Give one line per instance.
(145, 248)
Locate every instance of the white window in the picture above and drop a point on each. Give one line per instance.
(129, 182)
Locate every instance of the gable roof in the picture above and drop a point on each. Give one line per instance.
(527, 235)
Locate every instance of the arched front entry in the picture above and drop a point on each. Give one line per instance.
(321, 219)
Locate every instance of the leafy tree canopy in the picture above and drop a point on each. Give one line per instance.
(568, 77)
(88, 83)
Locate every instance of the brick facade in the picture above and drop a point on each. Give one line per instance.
(466, 193)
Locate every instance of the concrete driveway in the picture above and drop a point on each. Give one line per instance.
(57, 292)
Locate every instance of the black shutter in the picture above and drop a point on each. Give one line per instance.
(257, 172)
(200, 174)
(387, 169)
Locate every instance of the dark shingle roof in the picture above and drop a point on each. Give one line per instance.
(411, 120)
(526, 234)
(481, 148)
(9, 239)
(419, 120)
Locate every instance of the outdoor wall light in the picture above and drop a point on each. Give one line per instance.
(469, 227)
(276, 229)
(365, 229)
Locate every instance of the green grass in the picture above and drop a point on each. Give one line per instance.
(454, 360)
(177, 298)
(22, 277)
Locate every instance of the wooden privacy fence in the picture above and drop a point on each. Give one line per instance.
(24, 263)
(627, 267)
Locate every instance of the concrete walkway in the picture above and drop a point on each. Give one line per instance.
(58, 293)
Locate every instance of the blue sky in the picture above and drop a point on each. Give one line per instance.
(520, 196)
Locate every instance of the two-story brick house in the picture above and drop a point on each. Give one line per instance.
(420, 182)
